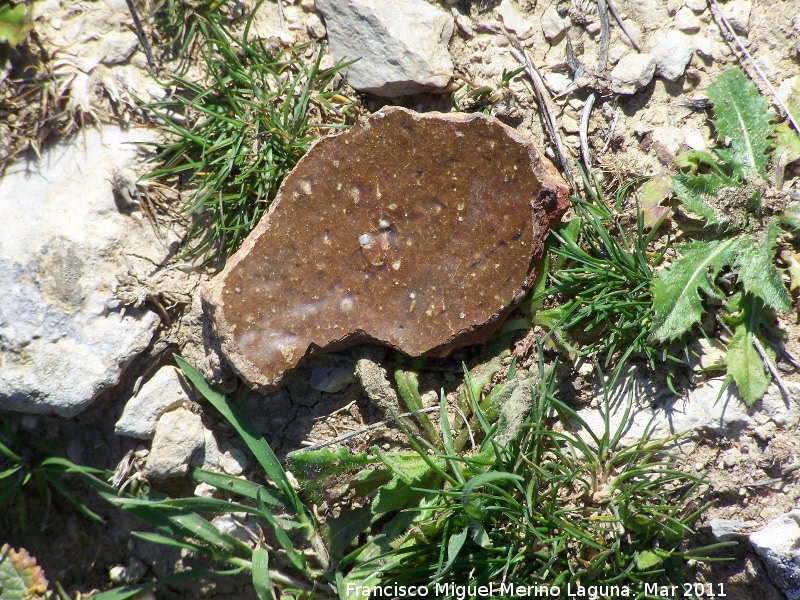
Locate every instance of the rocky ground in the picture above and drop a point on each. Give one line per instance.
(96, 303)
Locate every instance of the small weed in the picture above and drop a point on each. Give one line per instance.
(601, 278)
(544, 508)
(24, 464)
(240, 131)
(736, 266)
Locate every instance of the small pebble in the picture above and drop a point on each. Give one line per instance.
(694, 139)
(697, 6)
(687, 21)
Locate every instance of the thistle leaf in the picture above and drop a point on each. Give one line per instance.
(758, 274)
(676, 289)
(740, 117)
(20, 576)
(697, 193)
(743, 361)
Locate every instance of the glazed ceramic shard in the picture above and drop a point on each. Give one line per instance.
(416, 231)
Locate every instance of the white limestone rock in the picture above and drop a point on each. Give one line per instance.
(63, 336)
(514, 20)
(553, 26)
(401, 45)
(738, 14)
(687, 21)
(163, 392)
(672, 52)
(777, 544)
(179, 435)
(632, 73)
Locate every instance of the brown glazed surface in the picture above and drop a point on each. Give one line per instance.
(418, 231)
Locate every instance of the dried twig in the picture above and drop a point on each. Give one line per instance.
(602, 57)
(379, 425)
(720, 17)
(543, 100)
(621, 24)
(610, 133)
(584, 131)
(772, 369)
(140, 34)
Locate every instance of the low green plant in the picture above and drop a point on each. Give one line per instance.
(21, 578)
(15, 23)
(26, 465)
(600, 280)
(178, 26)
(473, 97)
(544, 507)
(240, 130)
(616, 297)
(735, 264)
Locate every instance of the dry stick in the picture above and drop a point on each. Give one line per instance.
(281, 20)
(378, 425)
(772, 369)
(602, 58)
(621, 24)
(715, 9)
(542, 98)
(611, 128)
(584, 131)
(140, 34)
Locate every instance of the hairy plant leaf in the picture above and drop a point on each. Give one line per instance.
(742, 123)
(790, 216)
(20, 576)
(15, 24)
(676, 289)
(743, 360)
(758, 274)
(652, 194)
(698, 193)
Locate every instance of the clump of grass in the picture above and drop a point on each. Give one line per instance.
(241, 130)
(547, 508)
(531, 504)
(601, 279)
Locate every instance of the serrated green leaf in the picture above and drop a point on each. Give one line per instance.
(742, 123)
(743, 361)
(758, 274)
(20, 577)
(647, 560)
(676, 298)
(15, 25)
(790, 216)
(699, 192)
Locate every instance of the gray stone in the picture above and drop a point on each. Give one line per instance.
(687, 21)
(672, 52)
(331, 373)
(513, 20)
(778, 544)
(725, 530)
(557, 82)
(697, 6)
(738, 14)
(632, 73)
(179, 436)
(553, 26)
(63, 337)
(401, 45)
(161, 393)
(705, 409)
(118, 46)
